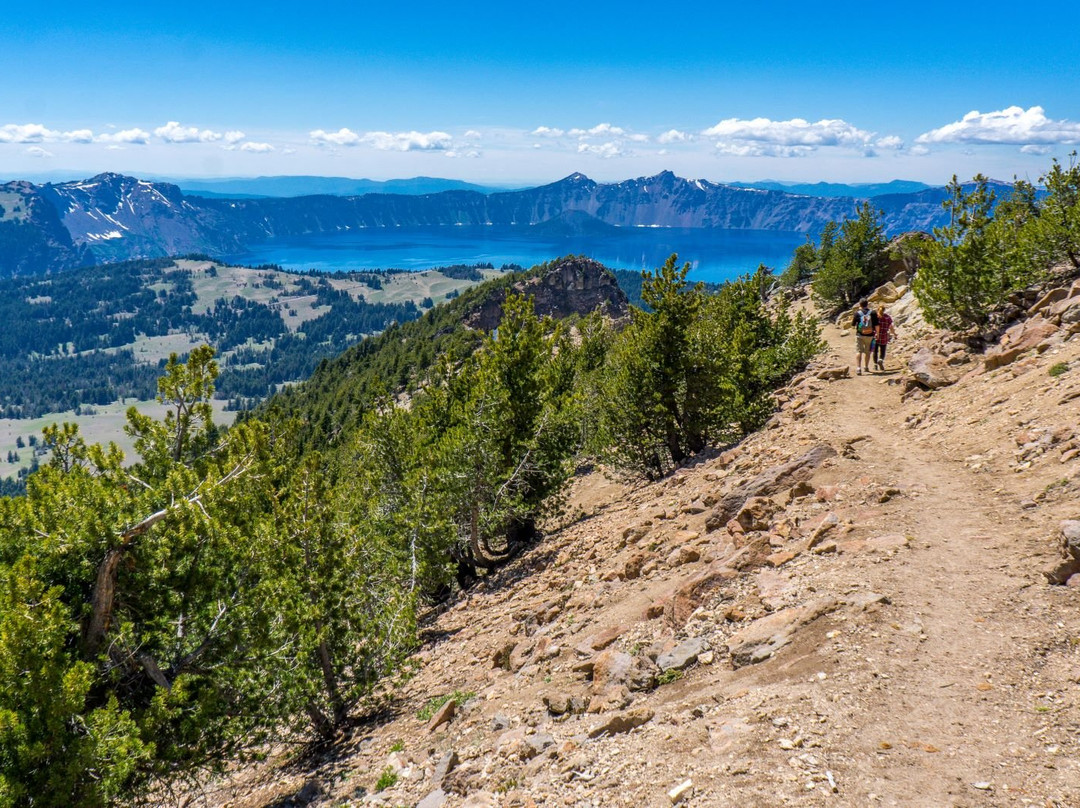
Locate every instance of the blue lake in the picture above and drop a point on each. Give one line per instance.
(714, 255)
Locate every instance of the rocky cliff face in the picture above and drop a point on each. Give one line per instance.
(119, 218)
(570, 286)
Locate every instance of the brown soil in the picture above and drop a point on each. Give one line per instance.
(961, 687)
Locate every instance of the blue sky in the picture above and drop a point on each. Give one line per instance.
(523, 93)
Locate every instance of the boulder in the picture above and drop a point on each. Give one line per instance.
(932, 371)
(632, 567)
(613, 667)
(834, 373)
(683, 655)
(1049, 299)
(683, 555)
(779, 559)
(1070, 537)
(1070, 545)
(564, 703)
(599, 641)
(537, 743)
(1019, 339)
(886, 293)
(521, 654)
(756, 513)
(767, 483)
(514, 743)
(622, 722)
(767, 635)
(500, 658)
(442, 716)
(1069, 314)
(447, 762)
(799, 490)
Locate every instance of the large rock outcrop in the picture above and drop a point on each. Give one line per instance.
(574, 285)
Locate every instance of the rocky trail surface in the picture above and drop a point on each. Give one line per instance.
(847, 609)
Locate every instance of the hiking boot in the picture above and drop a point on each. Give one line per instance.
(858, 371)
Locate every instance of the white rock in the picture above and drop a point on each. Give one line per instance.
(681, 792)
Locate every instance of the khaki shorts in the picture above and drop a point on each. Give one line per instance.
(863, 343)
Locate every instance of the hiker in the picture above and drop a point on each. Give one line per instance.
(885, 331)
(865, 325)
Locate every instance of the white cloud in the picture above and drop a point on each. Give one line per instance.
(795, 132)
(638, 138)
(673, 136)
(234, 136)
(114, 147)
(288, 150)
(173, 132)
(600, 130)
(37, 151)
(37, 133)
(1011, 126)
(408, 141)
(547, 131)
(470, 154)
(79, 136)
(1033, 149)
(26, 133)
(889, 142)
(342, 137)
(135, 135)
(604, 150)
(919, 150)
(473, 134)
(257, 148)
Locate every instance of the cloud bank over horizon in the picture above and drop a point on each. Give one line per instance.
(1012, 140)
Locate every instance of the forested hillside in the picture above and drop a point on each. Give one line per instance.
(102, 334)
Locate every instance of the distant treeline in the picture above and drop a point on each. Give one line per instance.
(67, 337)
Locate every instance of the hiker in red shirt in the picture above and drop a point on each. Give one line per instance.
(882, 334)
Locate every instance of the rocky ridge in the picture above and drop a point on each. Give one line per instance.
(853, 607)
(570, 286)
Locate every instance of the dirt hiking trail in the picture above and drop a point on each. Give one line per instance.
(873, 628)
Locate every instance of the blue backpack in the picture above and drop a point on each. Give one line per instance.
(866, 323)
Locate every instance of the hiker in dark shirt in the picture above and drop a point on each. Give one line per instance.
(865, 324)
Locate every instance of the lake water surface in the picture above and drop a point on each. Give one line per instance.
(714, 255)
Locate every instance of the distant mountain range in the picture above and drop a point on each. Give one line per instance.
(114, 217)
(867, 190)
(247, 187)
